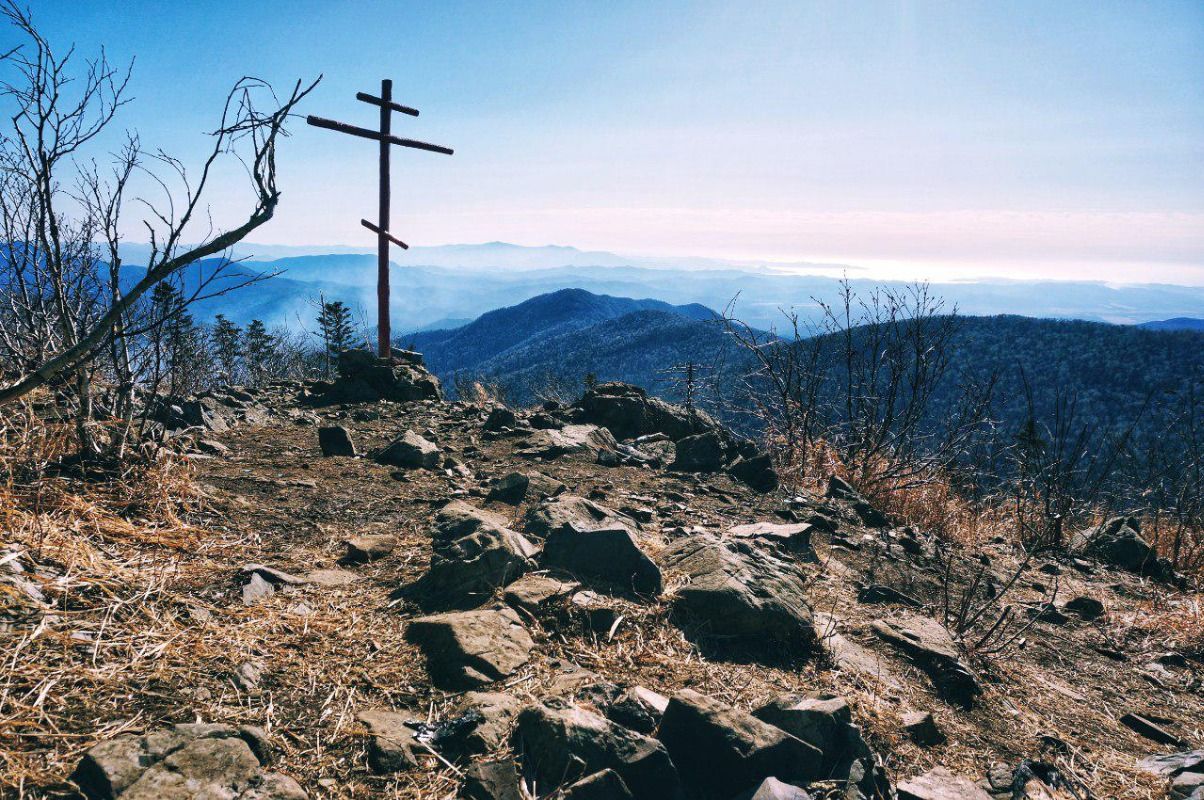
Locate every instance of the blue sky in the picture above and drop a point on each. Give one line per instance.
(931, 139)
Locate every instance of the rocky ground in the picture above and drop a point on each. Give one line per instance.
(411, 598)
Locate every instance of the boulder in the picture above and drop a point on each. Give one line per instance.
(390, 746)
(335, 440)
(639, 709)
(369, 547)
(365, 378)
(500, 418)
(702, 452)
(470, 649)
(739, 593)
(410, 451)
(562, 743)
(1118, 543)
(931, 648)
(940, 784)
(586, 440)
(826, 723)
(721, 751)
(466, 571)
(608, 556)
(628, 412)
(757, 472)
(516, 487)
(573, 514)
(1174, 763)
(182, 762)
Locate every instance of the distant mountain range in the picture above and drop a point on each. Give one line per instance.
(1115, 372)
(465, 281)
(1176, 324)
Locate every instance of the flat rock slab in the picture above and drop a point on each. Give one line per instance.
(739, 593)
(774, 789)
(470, 649)
(940, 784)
(516, 487)
(562, 743)
(1174, 763)
(793, 538)
(533, 594)
(721, 751)
(183, 762)
(931, 648)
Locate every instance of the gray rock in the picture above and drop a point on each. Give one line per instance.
(603, 785)
(757, 472)
(794, 538)
(571, 513)
(369, 547)
(703, 452)
(533, 594)
(485, 725)
(932, 649)
(774, 789)
(639, 709)
(499, 418)
(826, 723)
(739, 593)
(1174, 763)
(1187, 786)
(629, 413)
(516, 487)
(842, 490)
(410, 451)
(492, 780)
(1118, 543)
(256, 589)
(721, 751)
(588, 440)
(335, 441)
(470, 649)
(940, 784)
(1151, 730)
(607, 556)
(390, 748)
(562, 743)
(922, 729)
(182, 762)
(466, 571)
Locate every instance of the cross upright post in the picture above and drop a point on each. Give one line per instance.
(386, 139)
(383, 332)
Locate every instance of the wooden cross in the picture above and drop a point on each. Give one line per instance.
(381, 228)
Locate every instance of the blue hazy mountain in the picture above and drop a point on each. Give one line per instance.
(498, 275)
(506, 337)
(1176, 324)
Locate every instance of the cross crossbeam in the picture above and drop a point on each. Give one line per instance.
(387, 140)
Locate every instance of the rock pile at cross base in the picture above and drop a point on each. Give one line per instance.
(550, 554)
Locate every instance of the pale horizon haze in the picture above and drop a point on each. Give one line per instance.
(913, 139)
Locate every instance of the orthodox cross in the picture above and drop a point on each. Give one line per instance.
(381, 228)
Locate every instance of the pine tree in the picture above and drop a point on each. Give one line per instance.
(227, 345)
(334, 324)
(177, 341)
(260, 352)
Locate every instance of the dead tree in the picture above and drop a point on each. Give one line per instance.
(62, 294)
